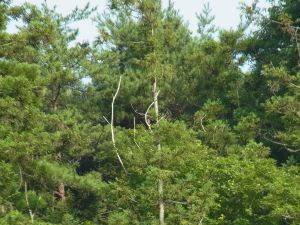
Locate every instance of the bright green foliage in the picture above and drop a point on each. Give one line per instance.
(225, 144)
(141, 41)
(205, 22)
(242, 181)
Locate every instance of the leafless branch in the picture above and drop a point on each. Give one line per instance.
(294, 85)
(201, 122)
(106, 120)
(146, 116)
(141, 114)
(282, 144)
(112, 125)
(292, 29)
(134, 134)
(200, 222)
(27, 203)
(176, 202)
(280, 23)
(21, 178)
(156, 93)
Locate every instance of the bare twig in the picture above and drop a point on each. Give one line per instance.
(294, 85)
(134, 134)
(201, 122)
(283, 24)
(146, 114)
(293, 29)
(112, 125)
(141, 114)
(282, 144)
(27, 203)
(106, 120)
(177, 202)
(156, 93)
(147, 121)
(107, 212)
(200, 222)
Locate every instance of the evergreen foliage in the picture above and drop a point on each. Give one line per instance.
(224, 143)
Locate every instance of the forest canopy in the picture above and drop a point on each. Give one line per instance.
(170, 130)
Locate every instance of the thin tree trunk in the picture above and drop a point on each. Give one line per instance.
(160, 181)
(161, 202)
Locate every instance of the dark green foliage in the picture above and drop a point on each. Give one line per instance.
(225, 144)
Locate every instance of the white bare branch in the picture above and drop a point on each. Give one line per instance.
(112, 125)
(147, 121)
(286, 146)
(201, 122)
(134, 134)
(106, 120)
(160, 181)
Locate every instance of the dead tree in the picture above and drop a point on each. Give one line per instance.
(160, 181)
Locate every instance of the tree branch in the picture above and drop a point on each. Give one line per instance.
(146, 116)
(176, 202)
(27, 203)
(106, 120)
(134, 134)
(282, 144)
(112, 125)
(201, 122)
(294, 31)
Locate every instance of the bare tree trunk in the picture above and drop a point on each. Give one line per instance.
(161, 202)
(112, 126)
(160, 181)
